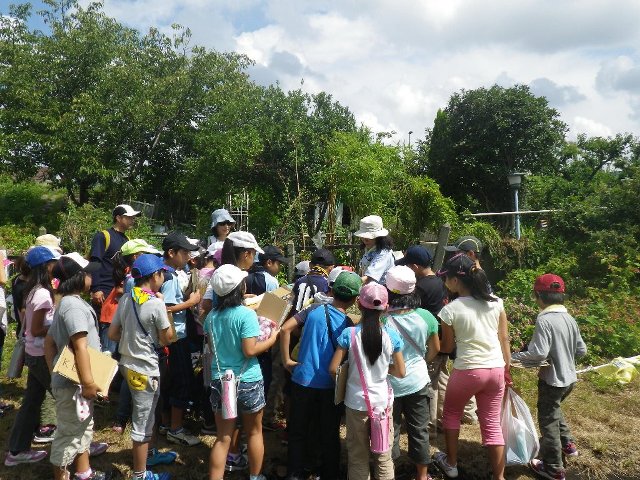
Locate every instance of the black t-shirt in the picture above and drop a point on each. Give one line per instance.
(103, 278)
(432, 293)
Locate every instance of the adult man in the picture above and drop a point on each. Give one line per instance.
(104, 246)
(470, 245)
(429, 286)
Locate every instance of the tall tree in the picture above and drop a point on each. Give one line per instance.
(483, 135)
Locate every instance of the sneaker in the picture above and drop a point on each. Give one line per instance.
(96, 475)
(440, 459)
(97, 448)
(163, 429)
(208, 429)
(538, 467)
(148, 475)
(182, 437)
(236, 463)
(156, 457)
(28, 456)
(570, 450)
(275, 426)
(45, 434)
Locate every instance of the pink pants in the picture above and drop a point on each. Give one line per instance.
(487, 384)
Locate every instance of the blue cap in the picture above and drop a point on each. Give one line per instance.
(417, 255)
(39, 255)
(146, 264)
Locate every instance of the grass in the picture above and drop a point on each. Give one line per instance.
(603, 416)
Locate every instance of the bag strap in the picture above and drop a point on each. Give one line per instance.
(215, 354)
(135, 310)
(363, 382)
(107, 240)
(329, 329)
(404, 334)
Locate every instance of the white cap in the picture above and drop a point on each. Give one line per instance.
(79, 259)
(303, 267)
(226, 278)
(244, 240)
(126, 210)
(333, 274)
(371, 227)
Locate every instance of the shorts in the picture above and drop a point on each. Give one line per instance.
(72, 436)
(250, 396)
(145, 392)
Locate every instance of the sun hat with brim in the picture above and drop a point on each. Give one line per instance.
(244, 240)
(466, 244)
(226, 278)
(48, 240)
(549, 283)
(138, 245)
(71, 263)
(39, 255)
(347, 285)
(374, 296)
(371, 227)
(219, 216)
(125, 210)
(146, 264)
(400, 279)
(458, 265)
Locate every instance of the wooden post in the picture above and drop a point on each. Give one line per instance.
(291, 260)
(443, 239)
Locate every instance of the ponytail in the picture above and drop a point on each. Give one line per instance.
(231, 253)
(371, 333)
(479, 285)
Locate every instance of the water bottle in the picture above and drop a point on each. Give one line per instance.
(229, 399)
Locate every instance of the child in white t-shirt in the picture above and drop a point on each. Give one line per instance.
(378, 352)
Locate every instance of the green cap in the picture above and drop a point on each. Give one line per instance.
(347, 285)
(138, 246)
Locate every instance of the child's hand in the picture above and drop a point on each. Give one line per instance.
(195, 298)
(90, 391)
(290, 365)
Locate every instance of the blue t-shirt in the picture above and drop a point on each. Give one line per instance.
(230, 326)
(316, 349)
(414, 327)
(173, 296)
(375, 264)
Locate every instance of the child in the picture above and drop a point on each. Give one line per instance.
(557, 339)
(141, 325)
(38, 317)
(262, 275)
(477, 321)
(378, 255)
(419, 331)
(233, 330)
(312, 388)
(74, 324)
(374, 352)
(321, 263)
(176, 248)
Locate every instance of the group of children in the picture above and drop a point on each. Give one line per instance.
(163, 310)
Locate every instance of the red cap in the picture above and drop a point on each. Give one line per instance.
(549, 283)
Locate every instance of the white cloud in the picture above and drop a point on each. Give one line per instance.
(591, 127)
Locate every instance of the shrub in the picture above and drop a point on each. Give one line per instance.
(17, 238)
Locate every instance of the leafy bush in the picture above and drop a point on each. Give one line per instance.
(17, 238)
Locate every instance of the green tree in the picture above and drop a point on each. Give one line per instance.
(483, 135)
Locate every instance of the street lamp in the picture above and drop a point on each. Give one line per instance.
(410, 132)
(515, 179)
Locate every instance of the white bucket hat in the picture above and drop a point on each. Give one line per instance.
(221, 215)
(371, 227)
(226, 278)
(244, 240)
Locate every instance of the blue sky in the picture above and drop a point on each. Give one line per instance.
(395, 62)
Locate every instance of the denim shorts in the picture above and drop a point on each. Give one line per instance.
(250, 396)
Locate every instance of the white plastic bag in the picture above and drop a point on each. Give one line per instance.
(521, 443)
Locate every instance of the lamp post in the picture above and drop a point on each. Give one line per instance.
(515, 179)
(410, 132)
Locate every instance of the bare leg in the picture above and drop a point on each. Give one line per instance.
(252, 424)
(496, 458)
(451, 440)
(60, 473)
(176, 418)
(82, 462)
(421, 472)
(140, 451)
(218, 456)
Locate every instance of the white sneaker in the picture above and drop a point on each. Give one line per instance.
(440, 459)
(28, 456)
(182, 437)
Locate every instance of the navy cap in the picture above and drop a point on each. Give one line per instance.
(323, 257)
(177, 241)
(271, 252)
(416, 254)
(146, 264)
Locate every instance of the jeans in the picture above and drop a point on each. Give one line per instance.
(553, 427)
(314, 407)
(106, 344)
(415, 408)
(28, 417)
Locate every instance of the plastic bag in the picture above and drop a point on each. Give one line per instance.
(521, 443)
(619, 370)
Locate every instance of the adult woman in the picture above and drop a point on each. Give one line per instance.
(221, 225)
(419, 330)
(38, 317)
(378, 254)
(477, 321)
(233, 330)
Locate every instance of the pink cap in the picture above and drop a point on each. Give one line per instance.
(401, 279)
(374, 296)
